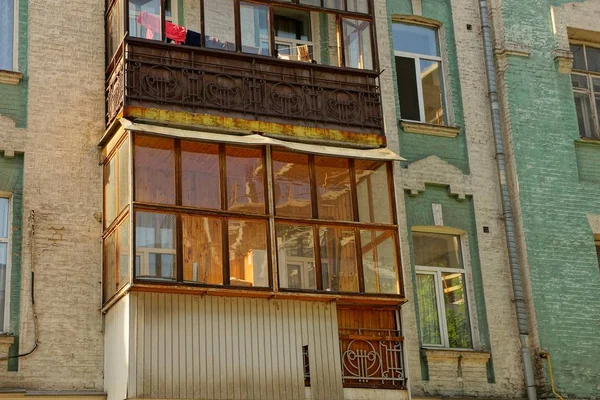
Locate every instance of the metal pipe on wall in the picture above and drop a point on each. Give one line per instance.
(515, 270)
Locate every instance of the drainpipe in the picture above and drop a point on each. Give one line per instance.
(515, 271)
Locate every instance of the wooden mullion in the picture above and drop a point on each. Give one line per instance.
(353, 190)
(163, 34)
(391, 192)
(317, 254)
(342, 51)
(225, 251)
(179, 247)
(224, 221)
(271, 28)
(373, 36)
(238, 26)
(359, 260)
(202, 25)
(312, 174)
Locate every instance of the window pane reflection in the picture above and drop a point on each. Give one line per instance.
(144, 19)
(291, 184)
(416, 39)
(123, 250)
(254, 21)
(457, 314)
(154, 169)
(431, 82)
(248, 256)
(3, 217)
(295, 256)
(357, 43)
(360, 6)
(585, 117)
(338, 259)
(435, 250)
(110, 191)
(123, 175)
(219, 25)
(379, 262)
(334, 196)
(155, 245)
(373, 192)
(200, 171)
(202, 249)
(110, 266)
(245, 180)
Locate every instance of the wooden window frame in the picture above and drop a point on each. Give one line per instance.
(417, 57)
(590, 76)
(437, 272)
(8, 241)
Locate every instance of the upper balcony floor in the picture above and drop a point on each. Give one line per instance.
(305, 69)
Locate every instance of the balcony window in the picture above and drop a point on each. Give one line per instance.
(300, 30)
(203, 216)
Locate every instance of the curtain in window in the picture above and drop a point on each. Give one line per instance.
(7, 13)
(428, 311)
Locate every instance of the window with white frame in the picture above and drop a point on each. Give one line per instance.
(441, 291)
(585, 77)
(7, 35)
(5, 217)
(419, 73)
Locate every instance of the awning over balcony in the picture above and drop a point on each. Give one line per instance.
(382, 154)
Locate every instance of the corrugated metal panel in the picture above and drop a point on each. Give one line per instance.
(231, 348)
(116, 345)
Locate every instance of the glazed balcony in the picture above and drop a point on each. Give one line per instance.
(317, 90)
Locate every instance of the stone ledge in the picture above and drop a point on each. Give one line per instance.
(430, 129)
(471, 356)
(5, 342)
(564, 60)
(10, 77)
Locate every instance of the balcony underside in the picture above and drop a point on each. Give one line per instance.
(199, 87)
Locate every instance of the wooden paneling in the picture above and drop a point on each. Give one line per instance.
(196, 347)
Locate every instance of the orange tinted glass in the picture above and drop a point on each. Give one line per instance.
(202, 249)
(334, 196)
(154, 170)
(245, 180)
(200, 175)
(291, 184)
(248, 257)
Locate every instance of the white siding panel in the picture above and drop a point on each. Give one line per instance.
(116, 356)
(232, 348)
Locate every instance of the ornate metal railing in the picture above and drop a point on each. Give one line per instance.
(158, 75)
(372, 358)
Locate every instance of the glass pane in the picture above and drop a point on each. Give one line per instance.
(373, 192)
(154, 169)
(110, 191)
(202, 249)
(579, 81)
(334, 196)
(245, 180)
(3, 271)
(578, 57)
(254, 22)
(200, 172)
(110, 266)
(7, 15)
(361, 6)
(325, 39)
(415, 39)
(293, 36)
(248, 256)
(379, 261)
(457, 314)
(338, 259)
(593, 58)
(435, 250)
(596, 85)
(408, 92)
(4, 217)
(316, 3)
(295, 256)
(182, 25)
(428, 310)
(123, 249)
(123, 181)
(337, 4)
(433, 94)
(114, 33)
(155, 245)
(584, 115)
(144, 19)
(291, 184)
(357, 43)
(219, 25)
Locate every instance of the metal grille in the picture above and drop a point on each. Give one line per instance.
(372, 358)
(197, 80)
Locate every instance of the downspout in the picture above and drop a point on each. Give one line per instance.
(515, 271)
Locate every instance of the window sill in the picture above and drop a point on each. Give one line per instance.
(441, 355)
(591, 141)
(430, 129)
(10, 77)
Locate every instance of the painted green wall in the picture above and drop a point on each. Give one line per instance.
(414, 147)
(558, 186)
(13, 98)
(457, 214)
(11, 180)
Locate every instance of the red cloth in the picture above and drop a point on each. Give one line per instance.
(152, 23)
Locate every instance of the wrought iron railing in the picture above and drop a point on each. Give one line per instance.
(372, 358)
(158, 75)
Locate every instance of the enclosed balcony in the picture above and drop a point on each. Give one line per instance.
(305, 69)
